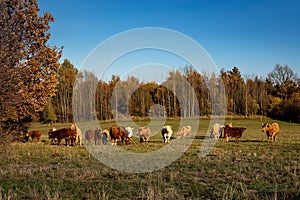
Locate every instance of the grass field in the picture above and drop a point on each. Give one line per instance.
(250, 169)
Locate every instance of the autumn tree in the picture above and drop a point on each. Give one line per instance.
(28, 64)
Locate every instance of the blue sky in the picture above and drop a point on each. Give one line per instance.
(253, 35)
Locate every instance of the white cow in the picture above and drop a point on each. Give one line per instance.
(167, 132)
(216, 130)
(129, 131)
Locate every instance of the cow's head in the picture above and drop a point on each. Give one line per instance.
(51, 131)
(265, 127)
(127, 140)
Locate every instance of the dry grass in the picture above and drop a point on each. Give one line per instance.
(251, 169)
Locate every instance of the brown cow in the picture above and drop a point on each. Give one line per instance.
(118, 133)
(60, 134)
(33, 134)
(90, 137)
(272, 130)
(235, 132)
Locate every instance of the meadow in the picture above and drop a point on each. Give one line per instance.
(250, 169)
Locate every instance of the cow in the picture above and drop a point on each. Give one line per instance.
(36, 134)
(118, 133)
(106, 136)
(78, 138)
(129, 131)
(272, 130)
(101, 136)
(90, 137)
(184, 132)
(144, 134)
(98, 136)
(216, 130)
(54, 139)
(60, 134)
(235, 132)
(167, 132)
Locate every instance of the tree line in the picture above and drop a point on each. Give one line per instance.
(185, 93)
(36, 87)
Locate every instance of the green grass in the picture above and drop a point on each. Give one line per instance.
(250, 169)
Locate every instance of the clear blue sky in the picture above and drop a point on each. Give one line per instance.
(253, 35)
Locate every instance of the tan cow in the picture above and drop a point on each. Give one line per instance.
(272, 130)
(185, 131)
(78, 139)
(144, 134)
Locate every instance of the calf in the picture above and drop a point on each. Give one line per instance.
(235, 132)
(184, 132)
(33, 134)
(144, 134)
(167, 132)
(66, 133)
(118, 133)
(272, 130)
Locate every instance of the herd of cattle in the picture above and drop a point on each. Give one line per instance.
(73, 134)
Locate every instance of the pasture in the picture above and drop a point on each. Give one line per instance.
(250, 169)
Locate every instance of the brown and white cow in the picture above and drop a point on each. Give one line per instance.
(35, 135)
(185, 131)
(144, 134)
(167, 132)
(60, 134)
(272, 130)
(235, 132)
(118, 133)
